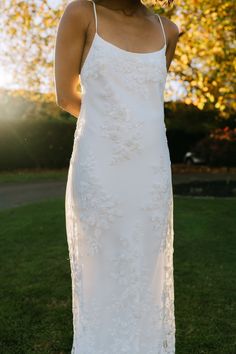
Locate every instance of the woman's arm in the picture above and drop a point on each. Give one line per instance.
(70, 40)
(172, 36)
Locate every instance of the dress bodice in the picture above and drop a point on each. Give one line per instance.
(142, 73)
(122, 96)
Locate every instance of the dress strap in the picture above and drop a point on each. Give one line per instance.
(95, 14)
(164, 35)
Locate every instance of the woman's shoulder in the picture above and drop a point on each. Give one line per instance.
(79, 10)
(170, 27)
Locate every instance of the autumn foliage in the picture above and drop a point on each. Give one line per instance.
(203, 70)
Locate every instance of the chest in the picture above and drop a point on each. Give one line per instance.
(107, 60)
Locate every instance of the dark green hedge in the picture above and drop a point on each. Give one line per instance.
(47, 142)
(35, 144)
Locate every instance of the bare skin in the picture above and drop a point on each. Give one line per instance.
(138, 32)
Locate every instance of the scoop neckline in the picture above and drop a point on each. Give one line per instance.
(127, 51)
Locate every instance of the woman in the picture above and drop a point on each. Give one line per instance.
(119, 204)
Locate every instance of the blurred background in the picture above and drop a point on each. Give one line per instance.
(36, 140)
(200, 102)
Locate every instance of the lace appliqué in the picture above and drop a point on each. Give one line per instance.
(161, 220)
(129, 273)
(94, 64)
(119, 124)
(160, 194)
(168, 310)
(92, 211)
(97, 207)
(142, 76)
(120, 127)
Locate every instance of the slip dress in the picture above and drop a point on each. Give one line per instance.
(119, 206)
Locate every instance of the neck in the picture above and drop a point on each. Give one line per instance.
(120, 4)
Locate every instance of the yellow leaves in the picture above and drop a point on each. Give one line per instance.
(217, 50)
(184, 59)
(12, 31)
(223, 89)
(198, 101)
(201, 53)
(201, 84)
(210, 96)
(200, 104)
(203, 62)
(27, 22)
(214, 15)
(234, 63)
(206, 54)
(220, 105)
(47, 21)
(187, 100)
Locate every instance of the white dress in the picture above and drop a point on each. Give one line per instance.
(119, 206)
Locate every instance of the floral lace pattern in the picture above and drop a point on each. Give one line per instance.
(89, 70)
(97, 208)
(161, 221)
(137, 74)
(160, 194)
(137, 300)
(117, 121)
(119, 208)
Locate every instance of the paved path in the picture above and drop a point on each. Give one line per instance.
(179, 178)
(17, 194)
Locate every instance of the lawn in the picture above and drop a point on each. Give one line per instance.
(31, 175)
(36, 285)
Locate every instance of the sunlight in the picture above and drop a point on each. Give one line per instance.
(6, 79)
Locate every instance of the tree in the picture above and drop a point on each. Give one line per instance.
(202, 72)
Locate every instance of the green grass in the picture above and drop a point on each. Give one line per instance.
(36, 285)
(32, 175)
(205, 263)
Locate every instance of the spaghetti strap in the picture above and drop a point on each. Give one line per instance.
(95, 14)
(162, 28)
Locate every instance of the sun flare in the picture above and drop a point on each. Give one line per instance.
(6, 79)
